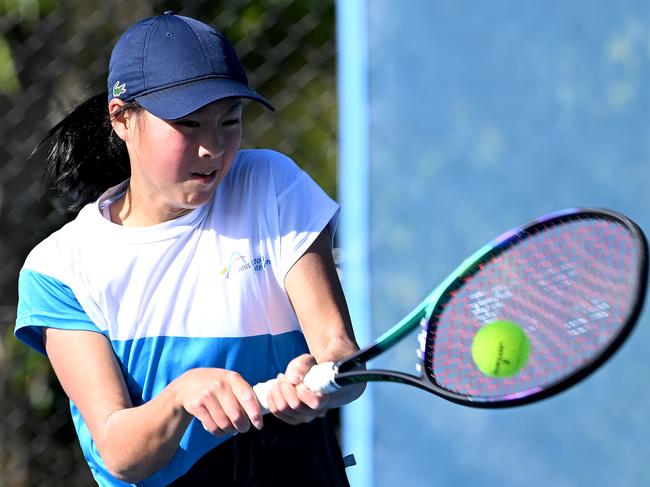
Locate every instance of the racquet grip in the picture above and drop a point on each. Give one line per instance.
(320, 378)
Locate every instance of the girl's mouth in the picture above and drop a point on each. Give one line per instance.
(205, 177)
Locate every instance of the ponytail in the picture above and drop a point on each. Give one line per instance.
(84, 156)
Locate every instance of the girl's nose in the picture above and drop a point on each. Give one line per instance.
(211, 146)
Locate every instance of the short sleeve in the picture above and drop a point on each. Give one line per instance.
(305, 210)
(45, 302)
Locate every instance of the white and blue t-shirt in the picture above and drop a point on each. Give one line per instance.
(203, 290)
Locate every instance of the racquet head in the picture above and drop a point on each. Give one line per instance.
(573, 281)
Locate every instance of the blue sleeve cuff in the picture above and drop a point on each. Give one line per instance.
(45, 302)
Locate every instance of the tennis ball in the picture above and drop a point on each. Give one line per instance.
(500, 349)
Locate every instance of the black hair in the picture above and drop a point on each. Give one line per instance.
(84, 155)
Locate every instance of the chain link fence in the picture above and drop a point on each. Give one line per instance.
(54, 54)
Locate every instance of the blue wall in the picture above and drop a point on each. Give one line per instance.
(482, 115)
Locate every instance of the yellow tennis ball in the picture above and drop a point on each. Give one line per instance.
(500, 349)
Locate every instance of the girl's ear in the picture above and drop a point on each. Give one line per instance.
(121, 121)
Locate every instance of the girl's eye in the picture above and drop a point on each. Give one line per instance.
(188, 123)
(231, 122)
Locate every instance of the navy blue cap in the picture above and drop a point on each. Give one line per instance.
(173, 65)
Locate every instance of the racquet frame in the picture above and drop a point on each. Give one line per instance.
(352, 370)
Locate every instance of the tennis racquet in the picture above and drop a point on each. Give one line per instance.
(574, 281)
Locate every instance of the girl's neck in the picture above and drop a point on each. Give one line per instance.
(124, 211)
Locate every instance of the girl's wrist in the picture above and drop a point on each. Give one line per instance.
(175, 389)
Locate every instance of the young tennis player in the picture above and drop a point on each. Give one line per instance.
(193, 270)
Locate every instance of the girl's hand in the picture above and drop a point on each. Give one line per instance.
(221, 399)
(290, 400)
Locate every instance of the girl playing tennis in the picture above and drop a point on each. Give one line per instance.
(192, 270)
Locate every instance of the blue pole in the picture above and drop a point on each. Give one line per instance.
(354, 161)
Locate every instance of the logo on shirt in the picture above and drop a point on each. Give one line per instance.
(240, 263)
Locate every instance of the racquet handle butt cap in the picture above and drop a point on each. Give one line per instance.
(320, 378)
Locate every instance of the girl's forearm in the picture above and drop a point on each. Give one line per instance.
(135, 442)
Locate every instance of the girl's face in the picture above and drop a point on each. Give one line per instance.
(176, 165)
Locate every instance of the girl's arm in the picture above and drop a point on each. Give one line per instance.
(315, 292)
(134, 442)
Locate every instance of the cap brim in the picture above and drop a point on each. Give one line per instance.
(179, 101)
